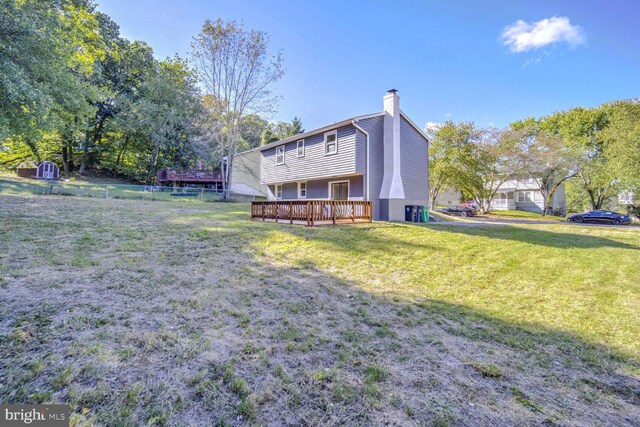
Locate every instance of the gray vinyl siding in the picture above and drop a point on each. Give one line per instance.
(375, 128)
(315, 163)
(319, 188)
(414, 162)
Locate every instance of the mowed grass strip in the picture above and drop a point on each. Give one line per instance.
(139, 312)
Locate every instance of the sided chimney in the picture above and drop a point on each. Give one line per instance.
(392, 181)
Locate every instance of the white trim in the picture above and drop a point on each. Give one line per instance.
(284, 150)
(298, 148)
(333, 132)
(275, 191)
(300, 196)
(330, 196)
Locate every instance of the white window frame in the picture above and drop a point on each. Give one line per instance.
(526, 194)
(278, 189)
(298, 147)
(335, 133)
(280, 148)
(300, 190)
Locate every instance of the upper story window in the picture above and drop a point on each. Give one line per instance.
(302, 190)
(280, 155)
(330, 143)
(300, 151)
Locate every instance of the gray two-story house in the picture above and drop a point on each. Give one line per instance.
(380, 157)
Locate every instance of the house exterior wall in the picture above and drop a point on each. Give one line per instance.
(314, 164)
(414, 159)
(245, 174)
(319, 188)
(374, 126)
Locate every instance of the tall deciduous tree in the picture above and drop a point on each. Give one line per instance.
(237, 71)
(545, 158)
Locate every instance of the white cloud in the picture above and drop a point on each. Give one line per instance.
(522, 36)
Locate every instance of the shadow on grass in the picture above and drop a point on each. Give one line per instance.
(294, 344)
(533, 236)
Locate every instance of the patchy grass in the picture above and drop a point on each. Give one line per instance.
(515, 214)
(139, 312)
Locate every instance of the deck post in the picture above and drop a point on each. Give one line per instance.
(353, 212)
(333, 208)
(290, 212)
(263, 213)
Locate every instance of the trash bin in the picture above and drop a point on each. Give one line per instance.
(409, 213)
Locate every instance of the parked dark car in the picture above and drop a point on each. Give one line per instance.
(459, 210)
(601, 217)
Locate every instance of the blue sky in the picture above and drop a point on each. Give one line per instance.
(490, 62)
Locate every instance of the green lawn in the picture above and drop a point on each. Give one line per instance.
(172, 313)
(515, 214)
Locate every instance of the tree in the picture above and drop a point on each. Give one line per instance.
(442, 157)
(580, 129)
(622, 141)
(481, 161)
(545, 158)
(237, 71)
(45, 50)
(281, 130)
(251, 130)
(168, 108)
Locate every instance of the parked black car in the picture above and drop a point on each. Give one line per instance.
(459, 210)
(601, 217)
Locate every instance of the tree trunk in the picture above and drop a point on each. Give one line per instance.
(121, 151)
(85, 154)
(65, 158)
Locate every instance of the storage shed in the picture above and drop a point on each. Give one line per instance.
(27, 169)
(48, 170)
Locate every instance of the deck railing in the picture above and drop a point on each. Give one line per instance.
(313, 211)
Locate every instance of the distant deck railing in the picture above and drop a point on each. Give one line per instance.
(313, 212)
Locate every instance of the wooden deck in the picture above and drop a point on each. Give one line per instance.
(313, 212)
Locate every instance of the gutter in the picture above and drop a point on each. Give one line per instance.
(366, 134)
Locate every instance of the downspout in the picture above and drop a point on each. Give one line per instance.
(366, 134)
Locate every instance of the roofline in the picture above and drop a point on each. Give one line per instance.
(316, 131)
(333, 126)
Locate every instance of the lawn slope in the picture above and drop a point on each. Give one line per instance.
(140, 312)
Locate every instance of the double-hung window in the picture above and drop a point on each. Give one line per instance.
(300, 150)
(302, 190)
(280, 155)
(330, 143)
(278, 191)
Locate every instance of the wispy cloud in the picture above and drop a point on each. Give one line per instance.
(522, 36)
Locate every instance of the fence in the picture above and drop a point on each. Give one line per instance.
(119, 191)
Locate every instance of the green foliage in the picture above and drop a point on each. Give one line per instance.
(277, 131)
(73, 91)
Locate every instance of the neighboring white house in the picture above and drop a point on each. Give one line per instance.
(625, 198)
(520, 193)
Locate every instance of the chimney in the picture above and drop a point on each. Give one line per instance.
(392, 181)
